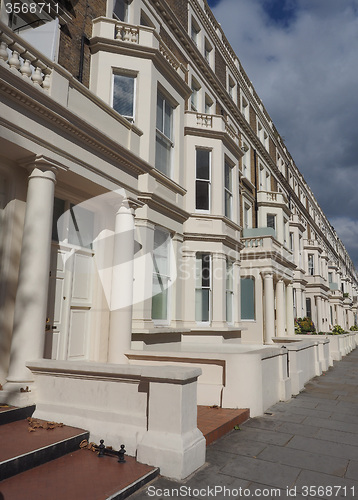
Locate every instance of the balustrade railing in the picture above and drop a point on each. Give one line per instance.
(20, 57)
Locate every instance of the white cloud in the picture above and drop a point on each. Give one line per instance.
(307, 76)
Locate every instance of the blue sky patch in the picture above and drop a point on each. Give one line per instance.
(281, 12)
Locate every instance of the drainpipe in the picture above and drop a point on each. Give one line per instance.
(256, 207)
(84, 41)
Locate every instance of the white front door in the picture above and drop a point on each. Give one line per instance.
(69, 304)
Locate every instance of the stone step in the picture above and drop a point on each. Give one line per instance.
(11, 413)
(80, 475)
(22, 450)
(214, 422)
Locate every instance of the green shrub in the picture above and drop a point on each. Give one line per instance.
(304, 326)
(354, 328)
(337, 330)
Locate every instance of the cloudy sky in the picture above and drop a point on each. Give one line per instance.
(302, 57)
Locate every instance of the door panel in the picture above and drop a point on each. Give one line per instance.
(77, 342)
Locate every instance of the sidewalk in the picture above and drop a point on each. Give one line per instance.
(308, 445)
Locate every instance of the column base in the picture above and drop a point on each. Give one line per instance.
(18, 394)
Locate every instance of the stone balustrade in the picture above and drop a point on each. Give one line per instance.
(21, 57)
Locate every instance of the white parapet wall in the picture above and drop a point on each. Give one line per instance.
(152, 410)
(339, 345)
(234, 376)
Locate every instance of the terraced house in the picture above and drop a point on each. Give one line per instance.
(157, 238)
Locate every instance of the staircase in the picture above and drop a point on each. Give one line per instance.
(47, 463)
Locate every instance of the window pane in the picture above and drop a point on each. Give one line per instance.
(229, 307)
(247, 298)
(123, 95)
(228, 177)
(58, 210)
(205, 270)
(160, 298)
(162, 155)
(160, 109)
(202, 304)
(202, 164)
(120, 9)
(271, 221)
(228, 204)
(168, 120)
(80, 227)
(202, 195)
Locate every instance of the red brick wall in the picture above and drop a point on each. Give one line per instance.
(180, 8)
(220, 67)
(70, 41)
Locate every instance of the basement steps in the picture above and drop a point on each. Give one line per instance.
(48, 464)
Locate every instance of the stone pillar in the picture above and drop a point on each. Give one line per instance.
(319, 313)
(280, 308)
(120, 328)
(269, 312)
(299, 302)
(289, 310)
(28, 336)
(237, 293)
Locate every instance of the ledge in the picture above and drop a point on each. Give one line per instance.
(91, 369)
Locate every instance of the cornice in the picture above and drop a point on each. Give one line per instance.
(157, 203)
(215, 238)
(213, 134)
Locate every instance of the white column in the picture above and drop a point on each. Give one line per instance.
(289, 310)
(280, 308)
(269, 314)
(319, 313)
(120, 328)
(299, 302)
(32, 292)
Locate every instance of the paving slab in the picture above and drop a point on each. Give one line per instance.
(302, 459)
(296, 447)
(268, 473)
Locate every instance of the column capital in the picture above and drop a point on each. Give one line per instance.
(129, 205)
(42, 163)
(267, 274)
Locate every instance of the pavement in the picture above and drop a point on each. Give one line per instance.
(303, 448)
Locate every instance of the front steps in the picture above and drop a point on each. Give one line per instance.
(215, 422)
(48, 464)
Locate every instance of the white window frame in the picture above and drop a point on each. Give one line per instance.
(195, 95)
(133, 76)
(227, 192)
(195, 31)
(208, 181)
(163, 321)
(169, 141)
(209, 288)
(273, 219)
(126, 13)
(247, 210)
(310, 264)
(229, 295)
(208, 51)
